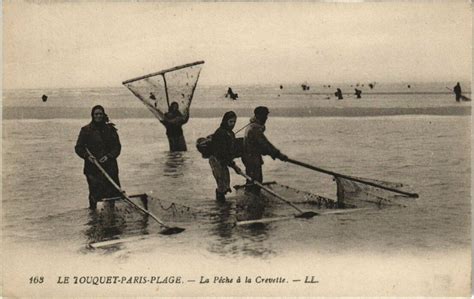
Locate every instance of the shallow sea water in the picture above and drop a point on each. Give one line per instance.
(45, 192)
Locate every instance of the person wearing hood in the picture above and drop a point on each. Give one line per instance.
(223, 153)
(256, 145)
(173, 121)
(101, 139)
(458, 92)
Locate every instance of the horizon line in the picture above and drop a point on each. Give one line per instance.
(248, 84)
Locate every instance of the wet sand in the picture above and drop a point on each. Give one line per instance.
(79, 113)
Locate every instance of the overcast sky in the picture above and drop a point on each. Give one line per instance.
(102, 44)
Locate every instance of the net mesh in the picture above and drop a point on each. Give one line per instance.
(157, 91)
(291, 194)
(116, 220)
(351, 192)
(165, 210)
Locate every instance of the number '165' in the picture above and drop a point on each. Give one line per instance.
(36, 279)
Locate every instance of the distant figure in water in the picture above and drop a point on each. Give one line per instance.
(305, 86)
(281, 86)
(101, 139)
(44, 98)
(358, 93)
(371, 85)
(458, 92)
(173, 122)
(338, 94)
(409, 86)
(231, 94)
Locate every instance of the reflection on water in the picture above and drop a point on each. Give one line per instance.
(232, 240)
(222, 222)
(114, 221)
(49, 206)
(250, 206)
(255, 238)
(175, 165)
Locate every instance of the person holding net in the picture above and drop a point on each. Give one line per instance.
(101, 139)
(173, 121)
(223, 153)
(168, 95)
(458, 92)
(256, 145)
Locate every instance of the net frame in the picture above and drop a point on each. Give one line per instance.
(355, 192)
(156, 112)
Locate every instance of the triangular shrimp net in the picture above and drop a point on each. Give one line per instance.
(158, 90)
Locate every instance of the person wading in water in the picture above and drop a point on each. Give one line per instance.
(230, 93)
(173, 122)
(458, 92)
(358, 93)
(256, 144)
(223, 153)
(101, 139)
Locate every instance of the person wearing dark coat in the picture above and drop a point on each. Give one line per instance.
(230, 93)
(173, 121)
(256, 144)
(458, 92)
(358, 93)
(223, 153)
(101, 139)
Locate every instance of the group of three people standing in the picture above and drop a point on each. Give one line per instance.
(99, 142)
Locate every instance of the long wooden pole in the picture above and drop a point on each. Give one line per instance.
(462, 96)
(273, 193)
(125, 196)
(307, 214)
(166, 90)
(163, 71)
(242, 128)
(413, 195)
(273, 219)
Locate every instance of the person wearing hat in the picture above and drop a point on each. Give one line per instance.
(101, 139)
(223, 153)
(256, 145)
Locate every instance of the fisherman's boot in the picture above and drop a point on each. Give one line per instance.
(92, 203)
(220, 196)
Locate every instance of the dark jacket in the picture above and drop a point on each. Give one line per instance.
(101, 140)
(173, 123)
(223, 145)
(256, 144)
(457, 89)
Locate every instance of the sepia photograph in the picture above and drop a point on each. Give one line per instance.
(233, 149)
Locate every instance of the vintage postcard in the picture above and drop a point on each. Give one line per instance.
(236, 149)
